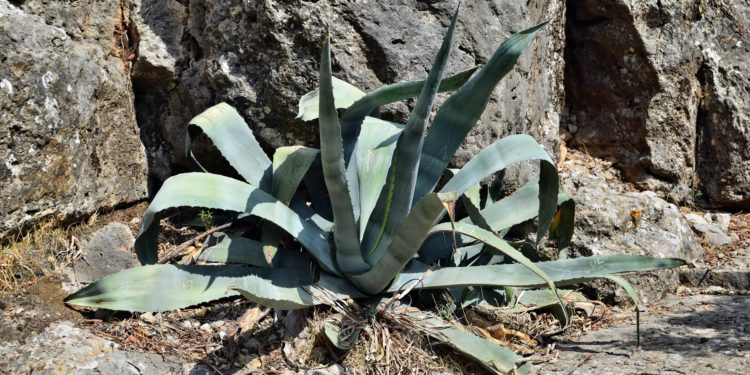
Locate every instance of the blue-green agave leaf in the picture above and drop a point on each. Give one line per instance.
(497, 243)
(290, 165)
(493, 357)
(345, 234)
(164, 287)
(562, 272)
(227, 248)
(563, 224)
(396, 200)
(269, 293)
(299, 205)
(232, 137)
(461, 110)
(372, 160)
(344, 95)
(403, 245)
(207, 190)
(510, 150)
(351, 119)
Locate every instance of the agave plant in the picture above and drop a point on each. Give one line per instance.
(364, 212)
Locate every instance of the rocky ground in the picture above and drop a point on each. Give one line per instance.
(702, 328)
(683, 334)
(651, 98)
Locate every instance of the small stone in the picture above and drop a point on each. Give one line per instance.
(694, 219)
(713, 234)
(715, 290)
(217, 324)
(573, 128)
(205, 327)
(720, 255)
(106, 251)
(186, 324)
(148, 317)
(336, 369)
(723, 220)
(255, 363)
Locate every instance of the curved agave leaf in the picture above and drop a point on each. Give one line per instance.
(509, 150)
(471, 200)
(633, 294)
(316, 188)
(218, 192)
(268, 293)
(439, 245)
(163, 287)
(400, 91)
(299, 206)
(564, 223)
(403, 245)
(523, 205)
(514, 209)
(629, 288)
(493, 357)
(530, 300)
(461, 110)
(562, 272)
(360, 104)
(465, 255)
(233, 138)
(394, 204)
(365, 105)
(373, 155)
(290, 164)
(344, 95)
(351, 119)
(227, 248)
(341, 340)
(348, 254)
(495, 242)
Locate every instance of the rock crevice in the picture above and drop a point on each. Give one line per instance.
(660, 89)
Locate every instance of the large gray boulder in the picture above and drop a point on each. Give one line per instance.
(662, 89)
(612, 220)
(69, 142)
(262, 56)
(63, 348)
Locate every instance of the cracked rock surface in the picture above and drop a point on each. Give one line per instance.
(262, 56)
(63, 348)
(69, 142)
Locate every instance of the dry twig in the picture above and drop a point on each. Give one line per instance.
(179, 249)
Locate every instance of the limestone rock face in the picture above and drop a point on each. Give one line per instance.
(69, 142)
(262, 56)
(661, 88)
